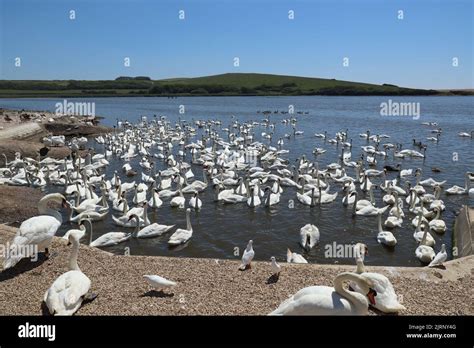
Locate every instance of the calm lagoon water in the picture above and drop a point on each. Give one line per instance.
(218, 229)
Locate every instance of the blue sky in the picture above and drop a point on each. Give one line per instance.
(414, 52)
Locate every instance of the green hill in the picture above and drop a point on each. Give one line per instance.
(224, 84)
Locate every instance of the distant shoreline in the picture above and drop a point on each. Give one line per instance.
(231, 84)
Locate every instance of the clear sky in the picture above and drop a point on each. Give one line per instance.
(416, 51)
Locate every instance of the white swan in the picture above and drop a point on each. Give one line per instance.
(309, 236)
(149, 231)
(292, 257)
(66, 294)
(108, 239)
(437, 225)
(423, 252)
(325, 300)
(387, 299)
(195, 202)
(37, 231)
(181, 236)
(385, 237)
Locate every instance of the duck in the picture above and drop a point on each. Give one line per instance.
(181, 236)
(37, 231)
(325, 300)
(68, 291)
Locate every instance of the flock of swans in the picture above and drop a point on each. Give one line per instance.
(240, 170)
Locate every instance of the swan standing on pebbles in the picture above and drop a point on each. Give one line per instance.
(325, 300)
(247, 257)
(159, 283)
(37, 231)
(309, 236)
(66, 294)
(387, 299)
(181, 236)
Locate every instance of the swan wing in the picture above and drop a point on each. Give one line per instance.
(65, 295)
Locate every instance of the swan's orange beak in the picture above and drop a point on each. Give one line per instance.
(371, 295)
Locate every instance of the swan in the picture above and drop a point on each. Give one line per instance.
(395, 218)
(66, 294)
(139, 211)
(325, 198)
(178, 201)
(325, 300)
(292, 257)
(457, 190)
(309, 236)
(155, 201)
(387, 299)
(108, 239)
(37, 231)
(247, 256)
(440, 257)
(271, 198)
(305, 199)
(423, 252)
(181, 236)
(370, 210)
(195, 202)
(437, 225)
(149, 231)
(254, 199)
(385, 237)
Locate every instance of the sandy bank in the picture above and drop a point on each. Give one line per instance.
(216, 287)
(22, 131)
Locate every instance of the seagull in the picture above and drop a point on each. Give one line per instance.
(247, 257)
(159, 283)
(440, 257)
(276, 268)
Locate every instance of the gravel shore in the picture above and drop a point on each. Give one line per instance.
(216, 287)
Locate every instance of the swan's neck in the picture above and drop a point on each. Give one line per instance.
(188, 222)
(73, 266)
(358, 301)
(360, 265)
(379, 218)
(145, 215)
(43, 209)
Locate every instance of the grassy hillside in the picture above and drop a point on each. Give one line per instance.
(224, 84)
